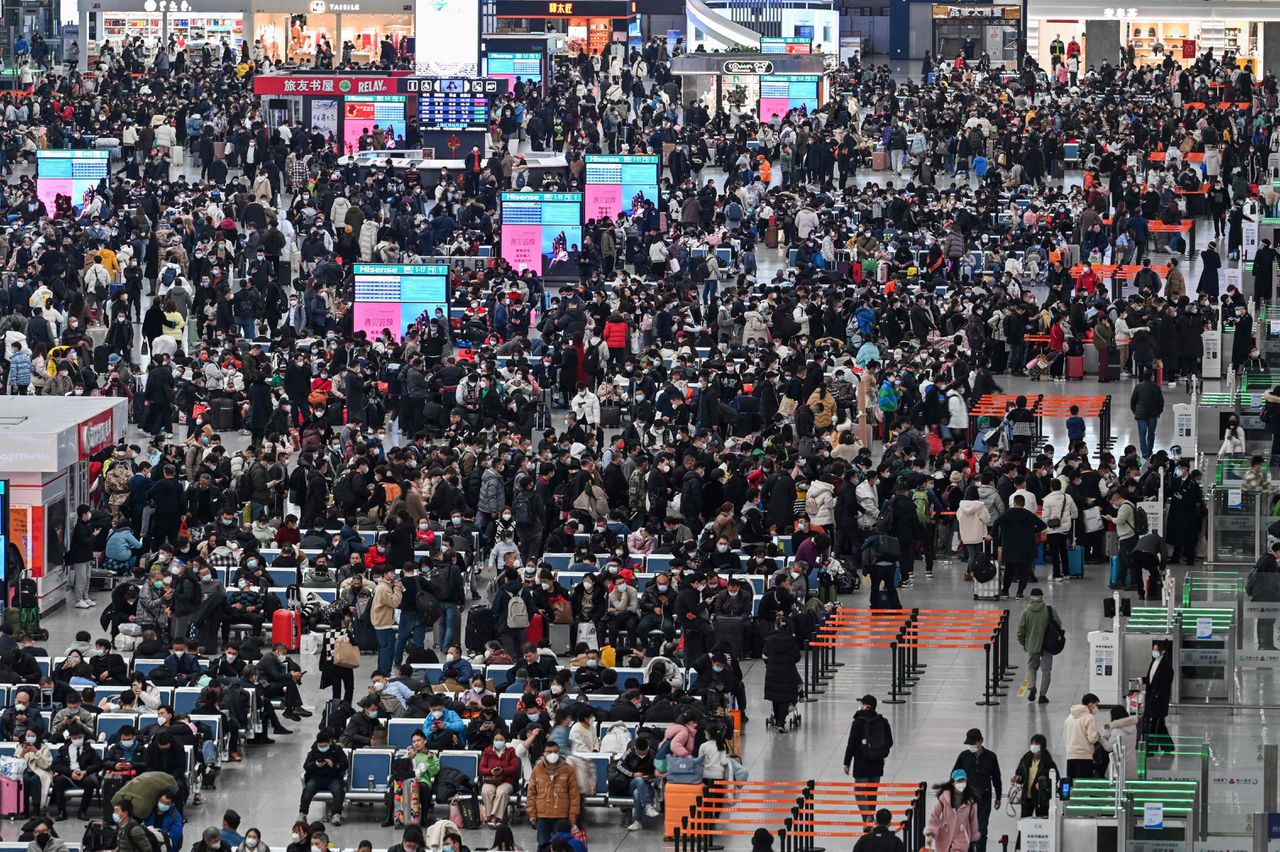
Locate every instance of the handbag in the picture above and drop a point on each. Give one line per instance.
(345, 654)
(1013, 800)
(684, 770)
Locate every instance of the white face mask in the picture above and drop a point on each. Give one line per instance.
(1035, 749)
(251, 842)
(553, 757)
(960, 785)
(295, 837)
(973, 748)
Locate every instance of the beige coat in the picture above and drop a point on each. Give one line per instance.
(386, 599)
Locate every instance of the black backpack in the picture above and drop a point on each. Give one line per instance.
(1141, 525)
(244, 488)
(522, 507)
(1055, 637)
(428, 606)
(877, 739)
(984, 568)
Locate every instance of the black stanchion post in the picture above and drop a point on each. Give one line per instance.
(783, 841)
(894, 690)
(918, 811)
(988, 689)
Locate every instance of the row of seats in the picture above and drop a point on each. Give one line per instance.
(370, 537)
(434, 673)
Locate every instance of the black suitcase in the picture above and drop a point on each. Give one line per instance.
(610, 416)
(366, 636)
(222, 415)
(111, 784)
(480, 628)
(100, 356)
(335, 715)
(336, 414)
(732, 630)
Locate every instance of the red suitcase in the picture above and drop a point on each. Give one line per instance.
(1075, 366)
(286, 629)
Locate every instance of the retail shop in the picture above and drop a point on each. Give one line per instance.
(48, 448)
(343, 105)
(1180, 29)
(524, 56)
(972, 30)
(155, 21)
(293, 37)
(745, 84)
(592, 25)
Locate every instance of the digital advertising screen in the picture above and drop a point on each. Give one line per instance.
(509, 66)
(781, 93)
(450, 34)
(396, 295)
(775, 44)
(542, 231)
(365, 112)
(615, 183)
(69, 173)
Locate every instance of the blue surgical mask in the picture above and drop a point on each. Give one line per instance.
(373, 714)
(115, 816)
(532, 717)
(1155, 655)
(162, 807)
(591, 664)
(128, 745)
(322, 749)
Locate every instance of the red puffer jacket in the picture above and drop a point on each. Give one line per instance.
(615, 334)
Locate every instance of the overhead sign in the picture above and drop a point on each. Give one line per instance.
(973, 13)
(748, 66)
(328, 84)
(565, 9)
(450, 85)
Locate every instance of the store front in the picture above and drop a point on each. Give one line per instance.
(293, 37)
(744, 84)
(589, 25)
(157, 22)
(973, 30)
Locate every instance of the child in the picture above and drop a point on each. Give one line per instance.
(1075, 425)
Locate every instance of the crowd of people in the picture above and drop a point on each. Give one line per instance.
(487, 487)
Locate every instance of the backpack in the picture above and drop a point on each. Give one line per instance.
(168, 275)
(984, 568)
(877, 740)
(924, 511)
(442, 579)
(427, 605)
(1055, 637)
(244, 487)
(159, 840)
(517, 613)
(98, 836)
(1140, 523)
(522, 507)
(342, 496)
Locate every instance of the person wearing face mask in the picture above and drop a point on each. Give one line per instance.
(131, 835)
(657, 607)
(324, 770)
(42, 839)
(253, 842)
(360, 728)
(411, 841)
(106, 666)
(167, 817)
(499, 775)
(74, 713)
(1033, 774)
(445, 729)
(982, 770)
(180, 667)
(1158, 689)
(456, 667)
(622, 607)
(281, 677)
(953, 822)
(691, 616)
(75, 765)
(300, 837)
(553, 794)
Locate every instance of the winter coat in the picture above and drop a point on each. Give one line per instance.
(554, 792)
(1018, 528)
(368, 238)
(974, 520)
(682, 740)
(781, 678)
(820, 503)
(951, 828)
(615, 334)
(1032, 625)
(1079, 733)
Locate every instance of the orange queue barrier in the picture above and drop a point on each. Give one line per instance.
(707, 817)
(1041, 407)
(904, 633)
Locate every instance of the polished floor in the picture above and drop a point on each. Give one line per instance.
(929, 728)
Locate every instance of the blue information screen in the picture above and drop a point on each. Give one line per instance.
(542, 231)
(781, 93)
(69, 173)
(618, 183)
(509, 66)
(394, 296)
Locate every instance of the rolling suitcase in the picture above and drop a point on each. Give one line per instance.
(11, 804)
(771, 237)
(286, 628)
(879, 161)
(732, 631)
(178, 156)
(986, 576)
(480, 628)
(222, 415)
(1117, 579)
(1075, 562)
(1075, 366)
(558, 637)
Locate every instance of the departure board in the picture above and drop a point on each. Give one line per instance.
(456, 103)
(395, 295)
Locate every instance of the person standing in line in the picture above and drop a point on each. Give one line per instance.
(1147, 404)
(1031, 629)
(1159, 692)
(982, 771)
(1080, 735)
(79, 555)
(1263, 585)
(870, 741)
(1018, 528)
(1124, 517)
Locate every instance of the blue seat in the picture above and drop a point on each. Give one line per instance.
(146, 667)
(433, 672)
(466, 762)
(370, 763)
(643, 581)
(282, 576)
(269, 555)
(755, 604)
(558, 561)
(601, 702)
(507, 706)
(45, 664)
(109, 724)
(625, 674)
(400, 731)
(497, 674)
(185, 698)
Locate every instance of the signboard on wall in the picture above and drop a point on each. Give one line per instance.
(394, 296)
(542, 231)
(974, 13)
(324, 116)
